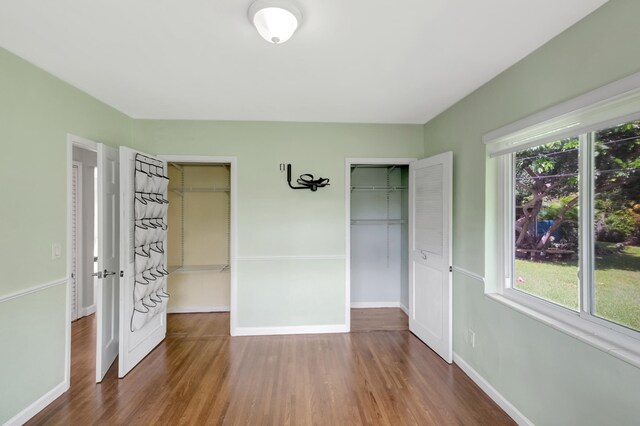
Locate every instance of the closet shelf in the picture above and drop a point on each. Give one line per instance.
(197, 268)
(379, 188)
(378, 221)
(181, 190)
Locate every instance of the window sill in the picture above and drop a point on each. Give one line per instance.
(616, 344)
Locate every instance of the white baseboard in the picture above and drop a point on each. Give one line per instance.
(87, 311)
(404, 309)
(197, 309)
(23, 416)
(512, 411)
(301, 329)
(361, 305)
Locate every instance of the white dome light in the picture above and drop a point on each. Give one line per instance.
(276, 21)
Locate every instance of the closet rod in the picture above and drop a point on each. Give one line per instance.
(378, 188)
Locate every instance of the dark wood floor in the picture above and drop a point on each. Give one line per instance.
(378, 319)
(199, 375)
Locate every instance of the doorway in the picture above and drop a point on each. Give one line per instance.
(199, 237)
(427, 254)
(82, 251)
(83, 232)
(377, 200)
(201, 241)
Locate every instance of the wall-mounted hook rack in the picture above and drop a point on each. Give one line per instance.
(306, 181)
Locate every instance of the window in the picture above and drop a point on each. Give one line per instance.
(547, 248)
(563, 217)
(615, 250)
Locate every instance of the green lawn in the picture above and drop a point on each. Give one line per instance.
(617, 284)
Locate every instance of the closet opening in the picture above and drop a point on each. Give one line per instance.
(199, 246)
(378, 244)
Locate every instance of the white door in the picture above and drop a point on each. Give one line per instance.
(143, 297)
(107, 285)
(430, 289)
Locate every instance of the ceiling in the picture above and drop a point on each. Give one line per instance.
(358, 61)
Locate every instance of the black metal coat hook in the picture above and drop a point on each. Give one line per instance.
(306, 181)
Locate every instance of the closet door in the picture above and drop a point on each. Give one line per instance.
(108, 260)
(430, 303)
(143, 296)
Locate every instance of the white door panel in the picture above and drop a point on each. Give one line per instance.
(143, 323)
(428, 293)
(108, 260)
(430, 290)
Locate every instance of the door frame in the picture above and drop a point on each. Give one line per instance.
(79, 234)
(348, 162)
(80, 142)
(233, 231)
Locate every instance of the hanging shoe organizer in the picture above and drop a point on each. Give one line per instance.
(150, 235)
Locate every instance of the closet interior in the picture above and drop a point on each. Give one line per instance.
(199, 237)
(379, 235)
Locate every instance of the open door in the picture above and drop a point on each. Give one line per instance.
(430, 288)
(106, 296)
(143, 234)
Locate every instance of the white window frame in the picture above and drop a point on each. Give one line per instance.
(608, 336)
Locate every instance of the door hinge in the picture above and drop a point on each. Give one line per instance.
(121, 274)
(450, 268)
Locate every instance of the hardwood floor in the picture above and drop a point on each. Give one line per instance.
(378, 319)
(199, 375)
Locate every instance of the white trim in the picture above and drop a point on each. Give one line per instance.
(600, 94)
(197, 309)
(348, 162)
(276, 258)
(367, 305)
(347, 250)
(203, 159)
(233, 218)
(392, 161)
(496, 396)
(404, 309)
(79, 212)
(82, 143)
(89, 310)
(38, 405)
(469, 273)
(34, 289)
(298, 329)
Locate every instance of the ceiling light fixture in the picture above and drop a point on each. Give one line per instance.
(275, 20)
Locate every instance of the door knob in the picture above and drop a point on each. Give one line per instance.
(106, 273)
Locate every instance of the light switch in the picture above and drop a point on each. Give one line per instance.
(56, 251)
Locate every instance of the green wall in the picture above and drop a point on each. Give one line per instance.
(276, 221)
(550, 377)
(36, 112)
